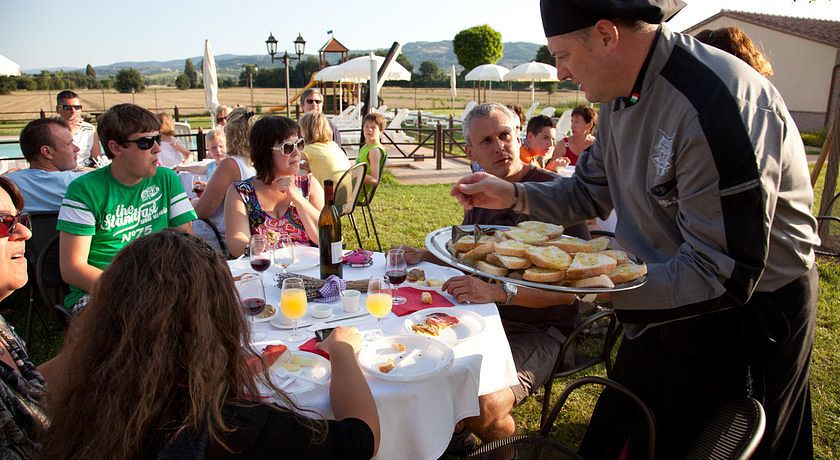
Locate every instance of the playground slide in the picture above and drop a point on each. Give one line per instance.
(294, 98)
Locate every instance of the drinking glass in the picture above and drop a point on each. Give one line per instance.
(260, 253)
(395, 270)
(252, 298)
(198, 185)
(379, 302)
(284, 252)
(293, 303)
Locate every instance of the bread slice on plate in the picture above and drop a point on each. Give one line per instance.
(599, 244)
(514, 263)
(549, 230)
(600, 281)
(627, 272)
(549, 257)
(480, 251)
(543, 275)
(467, 242)
(526, 236)
(587, 265)
(511, 248)
(619, 256)
(570, 244)
(490, 268)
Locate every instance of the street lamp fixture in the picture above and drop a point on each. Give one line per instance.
(271, 47)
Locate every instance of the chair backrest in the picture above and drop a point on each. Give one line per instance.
(181, 127)
(733, 433)
(371, 191)
(564, 124)
(51, 286)
(548, 111)
(828, 228)
(397, 121)
(349, 187)
(530, 111)
(43, 230)
(523, 447)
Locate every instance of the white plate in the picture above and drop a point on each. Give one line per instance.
(434, 357)
(257, 319)
(338, 314)
(434, 272)
(306, 257)
(470, 323)
(320, 373)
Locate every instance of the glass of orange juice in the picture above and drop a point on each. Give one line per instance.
(379, 301)
(293, 303)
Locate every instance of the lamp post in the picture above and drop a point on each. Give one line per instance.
(271, 46)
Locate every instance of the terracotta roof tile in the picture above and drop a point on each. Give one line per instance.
(819, 30)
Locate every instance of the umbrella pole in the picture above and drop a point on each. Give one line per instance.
(532, 91)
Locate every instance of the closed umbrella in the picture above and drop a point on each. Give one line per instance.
(532, 71)
(487, 72)
(453, 89)
(211, 86)
(8, 67)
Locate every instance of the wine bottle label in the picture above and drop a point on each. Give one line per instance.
(336, 250)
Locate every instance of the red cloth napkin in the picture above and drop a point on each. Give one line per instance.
(309, 346)
(413, 303)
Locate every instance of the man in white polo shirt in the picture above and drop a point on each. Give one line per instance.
(69, 108)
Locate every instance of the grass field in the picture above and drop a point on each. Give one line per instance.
(405, 214)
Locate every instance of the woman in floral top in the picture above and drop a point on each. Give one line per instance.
(276, 200)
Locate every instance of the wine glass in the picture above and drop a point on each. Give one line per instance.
(293, 303)
(198, 185)
(396, 272)
(252, 298)
(379, 302)
(284, 251)
(260, 253)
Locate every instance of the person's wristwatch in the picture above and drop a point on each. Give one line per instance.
(511, 290)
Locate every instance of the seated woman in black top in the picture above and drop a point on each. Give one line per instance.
(156, 368)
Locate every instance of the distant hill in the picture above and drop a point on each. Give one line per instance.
(439, 52)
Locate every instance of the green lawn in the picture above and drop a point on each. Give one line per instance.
(405, 214)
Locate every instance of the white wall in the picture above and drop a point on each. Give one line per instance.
(801, 68)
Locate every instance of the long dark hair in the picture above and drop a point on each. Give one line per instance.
(263, 135)
(157, 353)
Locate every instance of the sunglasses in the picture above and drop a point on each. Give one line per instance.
(314, 101)
(145, 143)
(68, 107)
(8, 223)
(288, 147)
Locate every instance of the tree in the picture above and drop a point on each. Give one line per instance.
(429, 71)
(476, 46)
(90, 71)
(128, 79)
(544, 56)
(402, 59)
(182, 82)
(189, 71)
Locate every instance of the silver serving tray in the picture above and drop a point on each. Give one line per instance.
(437, 242)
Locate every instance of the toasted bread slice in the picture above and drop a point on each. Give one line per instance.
(600, 281)
(493, 259)
(526, 236)
(619, 256)
(490, 268)
(511, 248)
(549, 257)
(515, 274)
(570, 244)
(467, 242)
(480, 251)
(543, 275)
(599, 244)
(514, 263)
(549, 230)
(587, 265)
(627, 272)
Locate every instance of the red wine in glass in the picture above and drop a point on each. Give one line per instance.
(396, 277)
(260, 264)
(198, 189)
(253, 306)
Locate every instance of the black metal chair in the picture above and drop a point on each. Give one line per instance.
(828, 228)
(364, 204)
(51, 286)
(219, 238)
(733, 433)
(347, 191)
(43, 230)
(524, 448)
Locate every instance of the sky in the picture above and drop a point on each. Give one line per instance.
(48, 33)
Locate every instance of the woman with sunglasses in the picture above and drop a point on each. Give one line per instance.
(21, 384)
(325, 157)
(163, 373)
(277, 199)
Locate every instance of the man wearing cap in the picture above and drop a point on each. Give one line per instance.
(701, 160)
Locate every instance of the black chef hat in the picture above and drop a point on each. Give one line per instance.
(564, 16)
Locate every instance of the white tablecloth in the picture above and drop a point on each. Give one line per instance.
(416, 418)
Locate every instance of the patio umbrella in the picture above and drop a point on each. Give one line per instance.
(332, 73)
(487, 72)
(359, 68)
(211, 87)
(533, 72)
(8, 67)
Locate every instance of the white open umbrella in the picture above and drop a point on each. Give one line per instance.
(8, 67)
(360, 68)
(532, 71)
(487, 72)
(211, 86)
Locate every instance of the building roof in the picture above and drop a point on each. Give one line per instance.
(333, 46)
(818, 30)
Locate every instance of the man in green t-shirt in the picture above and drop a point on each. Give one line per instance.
(106, 209)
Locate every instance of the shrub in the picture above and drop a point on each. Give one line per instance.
(814, 139)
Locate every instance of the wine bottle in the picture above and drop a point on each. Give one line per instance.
(329, 235)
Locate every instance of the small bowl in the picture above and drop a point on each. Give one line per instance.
(320, 310)
(350, 300)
